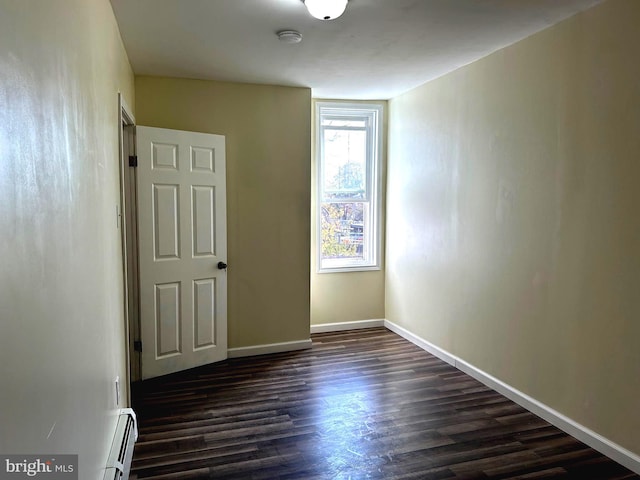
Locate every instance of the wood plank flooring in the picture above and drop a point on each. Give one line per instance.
(362, 404)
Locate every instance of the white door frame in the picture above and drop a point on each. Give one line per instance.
(127, 220)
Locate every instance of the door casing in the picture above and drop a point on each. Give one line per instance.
(127, 224)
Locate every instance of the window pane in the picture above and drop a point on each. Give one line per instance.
(344, 122)
(344, 166)
(343, 229)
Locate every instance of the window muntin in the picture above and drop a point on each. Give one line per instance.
(348, 188)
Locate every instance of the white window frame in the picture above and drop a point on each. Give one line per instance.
(374, 114)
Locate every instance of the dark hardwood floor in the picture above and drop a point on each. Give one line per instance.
(363, 404)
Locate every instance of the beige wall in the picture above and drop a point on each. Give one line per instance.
(268, 194)
(513, 225)
(346, 297)
(61, 308)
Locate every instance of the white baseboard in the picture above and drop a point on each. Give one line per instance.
(421, 342)
(338, 327)
(268, 348)
(594, 440)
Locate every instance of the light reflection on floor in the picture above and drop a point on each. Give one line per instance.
(346, 436)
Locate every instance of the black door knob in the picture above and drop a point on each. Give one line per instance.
(222, 266)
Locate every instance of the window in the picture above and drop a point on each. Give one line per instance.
(348, 152)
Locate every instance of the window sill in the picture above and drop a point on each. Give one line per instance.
(355, 268)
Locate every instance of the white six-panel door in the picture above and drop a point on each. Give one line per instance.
(182, 240)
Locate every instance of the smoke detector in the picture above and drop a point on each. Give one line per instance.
(289, 36)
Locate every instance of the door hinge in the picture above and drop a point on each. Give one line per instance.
(137, 345)
(133, 160)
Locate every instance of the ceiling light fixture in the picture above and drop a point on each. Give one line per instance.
(289, 36)
(326, 9)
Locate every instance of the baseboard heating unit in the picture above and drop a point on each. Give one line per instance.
(119, 461)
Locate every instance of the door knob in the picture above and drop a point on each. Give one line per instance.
(222, 266)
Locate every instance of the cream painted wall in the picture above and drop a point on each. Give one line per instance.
(346, 297)
(268, 194)
(61, 304)
(513, 227)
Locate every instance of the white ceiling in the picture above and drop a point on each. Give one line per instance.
(378, 49)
